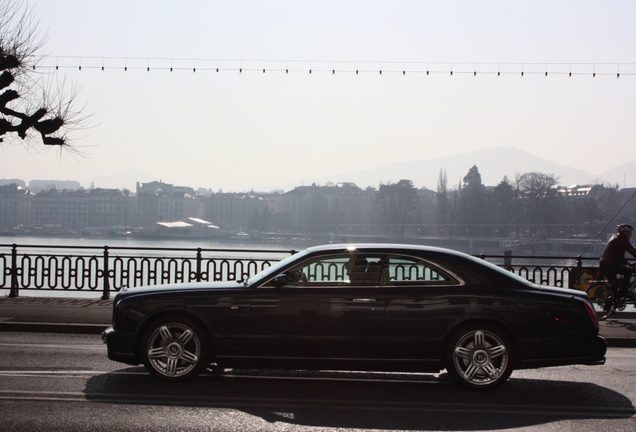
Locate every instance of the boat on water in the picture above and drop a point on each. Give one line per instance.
(190, 228)
(241, 236)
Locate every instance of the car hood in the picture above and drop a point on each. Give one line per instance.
(179, 287)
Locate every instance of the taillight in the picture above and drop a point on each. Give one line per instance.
(591, 313)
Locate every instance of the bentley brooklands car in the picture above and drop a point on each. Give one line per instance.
(365, 307)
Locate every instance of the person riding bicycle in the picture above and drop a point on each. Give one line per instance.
(613, 261)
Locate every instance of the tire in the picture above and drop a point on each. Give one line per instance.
(602, 298)
(174, 349)
(479, 357)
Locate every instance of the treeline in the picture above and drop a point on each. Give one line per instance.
(529, 205)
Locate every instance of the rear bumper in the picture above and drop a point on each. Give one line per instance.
(559, 352)
(121, 346)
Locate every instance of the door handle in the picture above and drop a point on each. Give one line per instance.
(364, 300)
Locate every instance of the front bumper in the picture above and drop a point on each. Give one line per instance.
(121, 346)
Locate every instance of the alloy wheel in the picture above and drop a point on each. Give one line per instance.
(480, 359)
(173, 351)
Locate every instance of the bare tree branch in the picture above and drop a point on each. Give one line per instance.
(32, 102)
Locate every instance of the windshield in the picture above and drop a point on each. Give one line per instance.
(275, 269)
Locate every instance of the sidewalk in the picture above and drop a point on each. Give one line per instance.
(89, 316)
(55, 315)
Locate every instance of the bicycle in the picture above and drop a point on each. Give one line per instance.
(604, 297)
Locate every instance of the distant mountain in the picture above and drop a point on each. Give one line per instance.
(624, 175)
(493, 163)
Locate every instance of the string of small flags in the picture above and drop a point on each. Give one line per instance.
(220, 66)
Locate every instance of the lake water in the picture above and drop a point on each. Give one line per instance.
(141, 243)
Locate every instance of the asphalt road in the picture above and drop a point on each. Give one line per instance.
(52, 382)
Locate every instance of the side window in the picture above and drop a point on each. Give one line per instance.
(340, 270)
(319, 271)
(411, 271)
(326, 270)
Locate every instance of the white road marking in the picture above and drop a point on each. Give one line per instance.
(54, 346)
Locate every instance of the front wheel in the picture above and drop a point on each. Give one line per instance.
(174, 349)
(479, 357)
(602, 298)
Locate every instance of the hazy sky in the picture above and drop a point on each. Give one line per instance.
(236, 131)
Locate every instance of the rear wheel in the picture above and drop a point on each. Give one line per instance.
(479, 357)
(602, 298)
(174, 349)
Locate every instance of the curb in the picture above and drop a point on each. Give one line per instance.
(53, 327)
(621, 342)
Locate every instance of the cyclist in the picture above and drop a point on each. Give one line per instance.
(613, 261)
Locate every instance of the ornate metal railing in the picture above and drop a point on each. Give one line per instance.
(105, 269)
(557, 271)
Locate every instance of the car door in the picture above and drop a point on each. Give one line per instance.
(324, 311)
(420, 306)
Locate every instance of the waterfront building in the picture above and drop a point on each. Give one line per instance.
(62, 208)
(16, 206)
(236, 211)
(331, 208)
(79, 209)
(110, 208)
(163, 202)
(7, 182)
(37, 186)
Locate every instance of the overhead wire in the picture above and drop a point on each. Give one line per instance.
(609, 222)
(357, 67)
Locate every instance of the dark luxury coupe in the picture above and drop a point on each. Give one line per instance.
(372, 307)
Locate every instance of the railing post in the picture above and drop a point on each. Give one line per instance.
(199, 259)
(579, 261)
(15, 292)
(106, 293)
(507, 258)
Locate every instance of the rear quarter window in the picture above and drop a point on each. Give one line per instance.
(408, 271)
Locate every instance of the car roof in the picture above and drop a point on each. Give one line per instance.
(383, 247)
